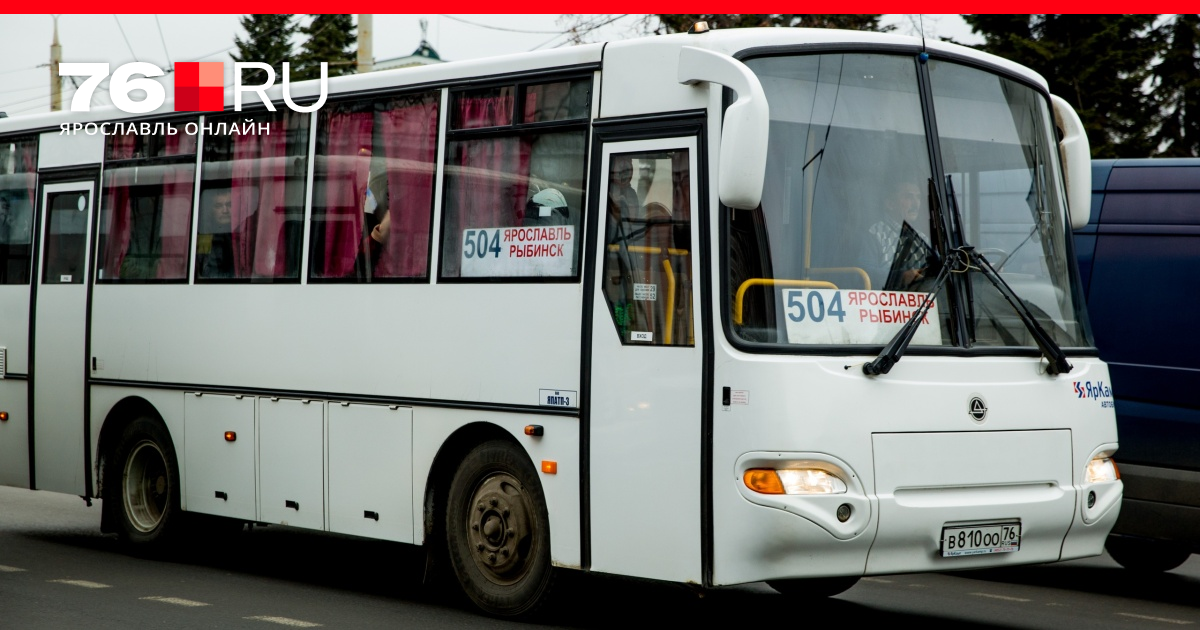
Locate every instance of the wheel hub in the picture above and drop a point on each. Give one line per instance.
(499, 528)
(145, 488)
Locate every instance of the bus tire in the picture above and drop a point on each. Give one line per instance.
(144, 487)
(1144, 555)
(814, 588)
(498, 532)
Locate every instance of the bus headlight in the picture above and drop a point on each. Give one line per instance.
(1102, 469)
(793, 481)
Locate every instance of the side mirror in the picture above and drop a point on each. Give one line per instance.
(743, 159)
(1076, 156)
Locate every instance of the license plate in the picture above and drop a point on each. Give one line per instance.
(975, 540)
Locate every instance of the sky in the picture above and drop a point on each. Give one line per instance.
(163, 39)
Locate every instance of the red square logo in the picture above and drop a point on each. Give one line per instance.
(199, 86)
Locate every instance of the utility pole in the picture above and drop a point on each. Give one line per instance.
(55, 80)
(366, 59)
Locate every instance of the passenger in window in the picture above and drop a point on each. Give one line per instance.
(899, 249)
(215, 253)
(659, 226)
(377, 225)
(620, 191)
(15, 220)
(547, 207)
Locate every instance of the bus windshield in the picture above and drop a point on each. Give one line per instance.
(859, 207)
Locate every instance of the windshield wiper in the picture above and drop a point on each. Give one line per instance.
(1055, 357)
(957, 262)
(1054, 354)
(961, 260)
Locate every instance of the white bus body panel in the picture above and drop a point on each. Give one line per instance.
(420, 341)
(645, 431)
(559, 443)
(56, 149)
(1024, 462)
(14, 392)
(14, 433)
(642, 78)
(219, 475)
(925, 480)
(370, 471)
(291, 462)
(424, 342)
(59, 359)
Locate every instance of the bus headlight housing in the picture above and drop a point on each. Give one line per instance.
(793, 481)
(1101, 469)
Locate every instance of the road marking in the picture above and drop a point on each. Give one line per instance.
(174, 600)
(1004, 597)
(83, 583)
(284, 621)
(1180, 622)
(8, 569)
(880, 580)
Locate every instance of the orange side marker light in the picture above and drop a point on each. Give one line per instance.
(550, 467)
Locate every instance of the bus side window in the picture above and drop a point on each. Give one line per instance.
(513, 201)
(647, 262)
(373, 189)
(264, 172)
(18, 159)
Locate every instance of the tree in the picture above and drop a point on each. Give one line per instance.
(677, 23)
(331, 38)
(1177, 82)
(268, 40)
(1098, 63)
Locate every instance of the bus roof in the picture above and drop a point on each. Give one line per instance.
(638, 50)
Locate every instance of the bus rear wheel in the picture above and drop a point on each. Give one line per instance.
(498, 532)
(143, 484)
(813, 588)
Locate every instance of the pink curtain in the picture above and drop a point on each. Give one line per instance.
(411, 145)
(176, 223)
(473, 113)
(531, 106)
(119, 224)
(492, 187)
(121, 147)
(257, 213)
(181, 143)
(346, 173)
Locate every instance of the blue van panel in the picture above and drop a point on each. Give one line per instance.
(1085, 248)
(1149, 434)
(1179, 209)
(1139, 260)
(1159, 177)
(1144, 305)
(1100, 171)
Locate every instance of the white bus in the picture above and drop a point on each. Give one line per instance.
(783, 305)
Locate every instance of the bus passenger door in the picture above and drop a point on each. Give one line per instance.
(646, 369)
(59, 354)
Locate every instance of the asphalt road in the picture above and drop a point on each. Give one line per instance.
(58, 571)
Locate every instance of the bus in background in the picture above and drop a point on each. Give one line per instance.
(781, 305)
(1138, 260)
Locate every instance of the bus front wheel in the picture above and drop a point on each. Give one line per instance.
(813, 588)
(498, 531)
(142, 483)
(1145, 555)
